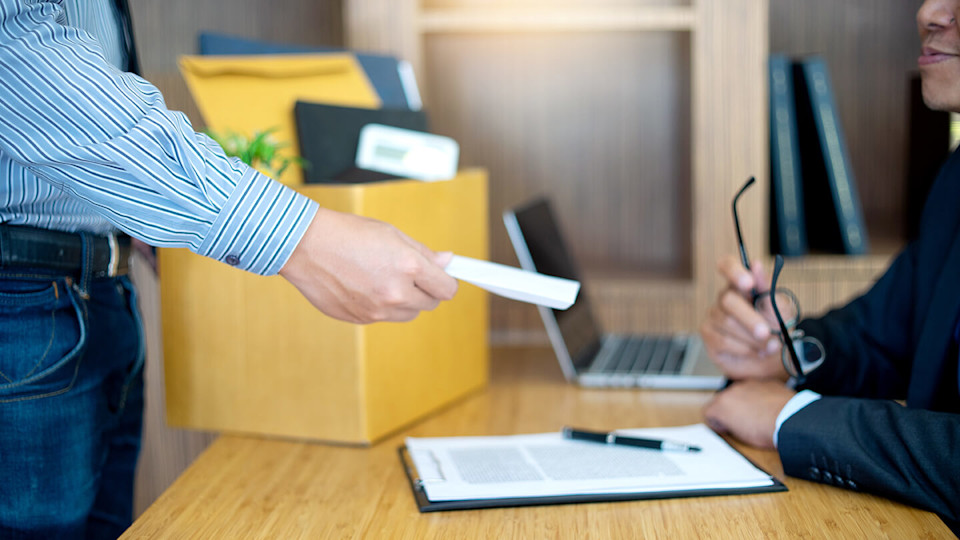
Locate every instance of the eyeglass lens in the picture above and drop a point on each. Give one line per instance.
(810, 353)
(787, 303)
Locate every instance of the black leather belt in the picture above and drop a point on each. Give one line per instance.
(28, 247)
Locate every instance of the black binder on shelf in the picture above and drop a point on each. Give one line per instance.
(832, 204)
(328, 136)
(788, 233)
(484, 459)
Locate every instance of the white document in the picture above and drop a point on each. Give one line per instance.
(514, 283)
(546, 464)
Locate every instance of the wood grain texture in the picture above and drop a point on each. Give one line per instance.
(824, 282)
(165, 452)
(260, 488)
(557, 19)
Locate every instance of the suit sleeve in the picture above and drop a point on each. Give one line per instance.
(878, 446)
(868, 341)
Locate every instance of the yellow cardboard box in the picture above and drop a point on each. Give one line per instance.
(247, 353)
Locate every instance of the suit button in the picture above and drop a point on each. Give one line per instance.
(827, 476)
(814, 473)
(851, 484)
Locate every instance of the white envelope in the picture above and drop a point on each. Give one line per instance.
(514, 283)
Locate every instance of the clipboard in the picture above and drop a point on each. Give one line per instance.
(424, 504)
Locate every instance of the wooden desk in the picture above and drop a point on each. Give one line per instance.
(244, 487)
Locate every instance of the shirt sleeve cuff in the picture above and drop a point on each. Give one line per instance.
(797, 402)
(259, 226)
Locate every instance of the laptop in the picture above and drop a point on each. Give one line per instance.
(587, 355)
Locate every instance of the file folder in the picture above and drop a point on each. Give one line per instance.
(329, 134)
(383, 70)
(246, 94)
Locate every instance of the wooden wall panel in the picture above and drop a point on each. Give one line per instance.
(548, 3)
(598, 123)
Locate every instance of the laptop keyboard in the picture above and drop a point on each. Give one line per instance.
(651, 355)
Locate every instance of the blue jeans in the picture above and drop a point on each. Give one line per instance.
(71, 405)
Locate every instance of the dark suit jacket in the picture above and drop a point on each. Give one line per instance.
(896, 342)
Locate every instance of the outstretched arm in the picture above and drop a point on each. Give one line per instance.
(106, 137)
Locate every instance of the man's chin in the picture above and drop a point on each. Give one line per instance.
(941, 96)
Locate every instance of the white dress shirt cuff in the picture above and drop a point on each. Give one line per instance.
(797, 402)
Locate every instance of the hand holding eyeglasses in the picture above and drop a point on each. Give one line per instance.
(739, 337)
(748, 327)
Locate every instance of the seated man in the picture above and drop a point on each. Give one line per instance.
(899, 341)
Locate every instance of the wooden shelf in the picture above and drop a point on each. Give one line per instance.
(825, 281)
(570, 19)
(661, 108)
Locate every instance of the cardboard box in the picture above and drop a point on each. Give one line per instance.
(247, 353)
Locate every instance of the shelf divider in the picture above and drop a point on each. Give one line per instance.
(592, 19)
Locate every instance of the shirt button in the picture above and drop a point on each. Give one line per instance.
(232, 260)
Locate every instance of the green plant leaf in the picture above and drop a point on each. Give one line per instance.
(260, 150)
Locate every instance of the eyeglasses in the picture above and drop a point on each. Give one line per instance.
(762, 300)
(800, 354)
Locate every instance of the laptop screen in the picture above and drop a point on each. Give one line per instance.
(580, 331)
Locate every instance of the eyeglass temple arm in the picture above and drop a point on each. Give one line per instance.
(787, 340)
(736, 222)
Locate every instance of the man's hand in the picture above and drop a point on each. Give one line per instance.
(738, 338)
(362, 270)
(748, 411)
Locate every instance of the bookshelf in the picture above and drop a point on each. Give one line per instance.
(639, 119)
(870, 47)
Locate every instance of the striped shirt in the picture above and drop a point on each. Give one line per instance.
(85, 146)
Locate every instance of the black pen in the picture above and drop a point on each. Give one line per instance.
(613, 438)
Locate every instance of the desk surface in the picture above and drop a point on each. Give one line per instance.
(246, 487)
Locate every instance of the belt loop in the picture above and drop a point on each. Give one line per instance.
(86, 271)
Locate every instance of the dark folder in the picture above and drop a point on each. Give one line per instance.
(831, 201)
(788, 233)
(329, 135)
(382, 70)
